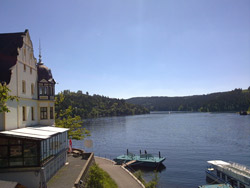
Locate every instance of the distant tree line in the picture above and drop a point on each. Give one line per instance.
(235, 101)
(87, 106)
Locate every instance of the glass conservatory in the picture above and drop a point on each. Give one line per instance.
(31, 146)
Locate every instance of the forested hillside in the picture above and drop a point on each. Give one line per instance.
(236, 100)
(88, 106)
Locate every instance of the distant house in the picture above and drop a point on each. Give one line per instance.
(32, 150)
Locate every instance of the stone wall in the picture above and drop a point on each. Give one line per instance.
(82, 178)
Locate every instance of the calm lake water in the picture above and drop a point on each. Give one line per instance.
(187, 140)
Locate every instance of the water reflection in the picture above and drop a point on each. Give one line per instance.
(160, 168)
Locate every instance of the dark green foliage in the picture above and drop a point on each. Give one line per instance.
(151, 184)
(236, 100)
(4, 97)
(88, 106)
(139, 175)
(66, 119)
(98, 178)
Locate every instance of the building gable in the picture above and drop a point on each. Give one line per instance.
(43, 81)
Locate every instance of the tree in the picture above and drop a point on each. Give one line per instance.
(4, 97)
(79, 92)
(88, 106)
(66, 119)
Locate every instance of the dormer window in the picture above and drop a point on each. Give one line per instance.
(46, 83)
(44, 90)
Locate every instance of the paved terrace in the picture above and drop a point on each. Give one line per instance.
(67, 175)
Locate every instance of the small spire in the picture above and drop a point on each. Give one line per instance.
(40, 56)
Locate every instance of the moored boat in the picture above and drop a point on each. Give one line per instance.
(216, 186)
(243, 112)
(237, 175)
(145, 160)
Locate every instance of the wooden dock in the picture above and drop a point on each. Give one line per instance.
(129, 163)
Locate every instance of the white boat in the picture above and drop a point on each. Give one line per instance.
(235, 174)
(216, 186)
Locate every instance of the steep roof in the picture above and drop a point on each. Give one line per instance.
(44, 73)
(9, 43)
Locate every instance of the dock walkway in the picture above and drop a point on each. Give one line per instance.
(118, 174)
(129, 163)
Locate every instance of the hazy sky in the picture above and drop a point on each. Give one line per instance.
(127, 48)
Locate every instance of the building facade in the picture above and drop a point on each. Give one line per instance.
(31, 148)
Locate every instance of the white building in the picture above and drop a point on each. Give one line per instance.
(32, 150)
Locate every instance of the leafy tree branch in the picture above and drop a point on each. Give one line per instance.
(66, 119)
(4, 97)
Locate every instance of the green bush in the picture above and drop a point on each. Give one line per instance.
(98, 178)
(151, 184)
(139, 175)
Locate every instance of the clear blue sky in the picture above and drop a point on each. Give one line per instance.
(128, 48)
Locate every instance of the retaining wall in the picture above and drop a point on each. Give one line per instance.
(82, 178)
